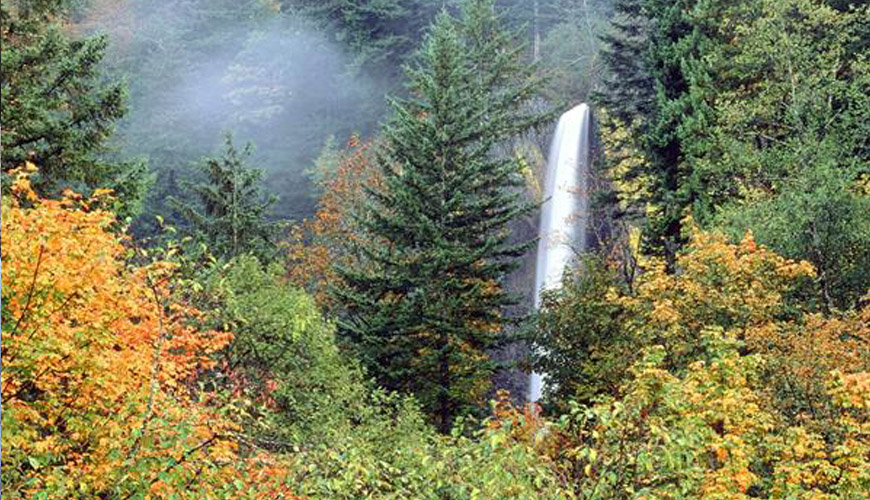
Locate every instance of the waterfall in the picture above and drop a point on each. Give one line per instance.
(562, 233)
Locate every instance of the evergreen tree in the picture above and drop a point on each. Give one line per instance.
(56, 110)
(629, 87)
(656, 87)
(230, 210)
(381, 33)
(725, 124)
(425, 307)
(680, 108)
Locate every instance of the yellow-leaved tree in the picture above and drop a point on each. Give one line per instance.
(732, 389)
(99, 364)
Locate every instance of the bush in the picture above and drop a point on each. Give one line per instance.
(821, 217)
(292, 384)
(734, 391)
(100, 361)
(592, 329)
(581, 329)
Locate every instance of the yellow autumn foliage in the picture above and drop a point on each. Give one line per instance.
(99, 368)
(735, 392)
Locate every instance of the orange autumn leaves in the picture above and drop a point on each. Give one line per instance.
(319, 244)
(99, 364)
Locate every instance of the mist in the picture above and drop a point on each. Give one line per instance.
(270, 78)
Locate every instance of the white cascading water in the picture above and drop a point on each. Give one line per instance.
(564, 213)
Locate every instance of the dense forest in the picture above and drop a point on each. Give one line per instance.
(281, 249)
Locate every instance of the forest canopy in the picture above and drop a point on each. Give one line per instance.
(285, 249)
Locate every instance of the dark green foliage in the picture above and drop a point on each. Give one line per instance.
(777, 111)
(652, 55)
(790, 138)
(425, 307)
(677, 68)
(817, 216)
(382, 33)
(167, 186)
(629, 89)
(57, 111)
(585, 341)
(719, 116)
(230, 211)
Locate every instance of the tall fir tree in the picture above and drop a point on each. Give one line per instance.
(229, 209)
(726, 126)
(57, 111)
(425, 307)
(629, 86)
(656, 75)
